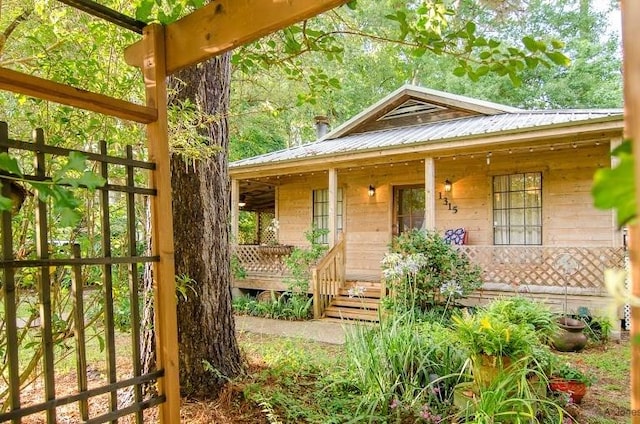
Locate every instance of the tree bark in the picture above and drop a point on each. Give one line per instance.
(209, 353)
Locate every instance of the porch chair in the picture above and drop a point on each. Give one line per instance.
(457, 236)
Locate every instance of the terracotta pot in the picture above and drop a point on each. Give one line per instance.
(570, 337)
(486, 368)
(575, 389)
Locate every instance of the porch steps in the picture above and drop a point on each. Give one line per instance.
(362, 307)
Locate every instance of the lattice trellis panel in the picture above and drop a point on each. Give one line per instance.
(540, 265)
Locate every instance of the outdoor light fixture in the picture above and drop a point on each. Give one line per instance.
(372, 191)
(448, 185)
(243, 201)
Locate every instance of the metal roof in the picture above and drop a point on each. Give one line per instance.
(434, 132)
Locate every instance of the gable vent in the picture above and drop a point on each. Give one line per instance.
(409, 108)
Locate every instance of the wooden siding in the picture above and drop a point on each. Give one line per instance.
(569, 219)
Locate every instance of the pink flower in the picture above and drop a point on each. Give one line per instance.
(394, 404)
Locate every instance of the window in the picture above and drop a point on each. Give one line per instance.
(517, 208)
(409, 208)
(321, 212)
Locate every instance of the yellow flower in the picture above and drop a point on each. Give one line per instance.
(507, 334)
(485, 323)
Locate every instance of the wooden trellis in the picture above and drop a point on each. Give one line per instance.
(538, 265)
(73, 261)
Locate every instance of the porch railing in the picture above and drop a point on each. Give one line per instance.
(328, 277)
(263, 259)
(582, 267)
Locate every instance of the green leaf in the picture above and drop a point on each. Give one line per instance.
(5, 203)
(494, 43)
(419, 52)
(485, 55)
(532, 62)
(459, 71)
(471, 28)
(530, 44)
(144, 9)
(614, 188)
(557, 44)
(68, 217)
(482, 70)
(9, 164)
(515, 79)
(75, 162)
(558, 58)
(91, 180)
(352, 4)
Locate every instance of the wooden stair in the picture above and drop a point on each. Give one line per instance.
(362, 307)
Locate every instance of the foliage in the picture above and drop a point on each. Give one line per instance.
(290, 307)
(569, 372)
(615, 188)
(522, 311)
(301, 259)
(486, 334)
(403, 367)
(422, 271)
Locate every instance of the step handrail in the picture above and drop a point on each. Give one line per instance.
(328, 277)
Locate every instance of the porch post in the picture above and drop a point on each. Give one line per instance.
(333, 205)
(166, 324)
(235, 209)
(429, 194)
(630, 12)
(616, 237)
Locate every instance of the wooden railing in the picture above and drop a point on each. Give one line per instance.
(551, 266)
(328, 277)
(263, 259)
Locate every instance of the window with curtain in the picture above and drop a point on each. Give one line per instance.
(517, 209)
(321, 212)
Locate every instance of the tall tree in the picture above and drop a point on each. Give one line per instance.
(209, 352)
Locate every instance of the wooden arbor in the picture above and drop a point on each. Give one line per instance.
(211, 30)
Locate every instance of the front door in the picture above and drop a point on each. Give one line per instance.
(408, 206)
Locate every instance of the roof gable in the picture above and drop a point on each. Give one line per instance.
(411, 105)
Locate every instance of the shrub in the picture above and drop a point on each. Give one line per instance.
(301, 259)
(522, 311)
(404, 368)
(422, 270)
(290, 307)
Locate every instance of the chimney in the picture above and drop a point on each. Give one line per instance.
(322, 126)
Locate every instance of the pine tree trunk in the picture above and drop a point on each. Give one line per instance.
(209, 352)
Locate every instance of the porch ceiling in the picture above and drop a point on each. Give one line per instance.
(258, 196)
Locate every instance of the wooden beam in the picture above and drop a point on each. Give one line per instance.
(631, 77)
(333, 206)
(429, 194)
(223, 25)
(41, 88)
(235, 210)
(166, 325)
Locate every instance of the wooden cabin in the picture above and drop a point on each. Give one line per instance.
(517, 181)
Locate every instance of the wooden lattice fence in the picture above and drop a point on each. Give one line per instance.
(97, 266)
(542, 265)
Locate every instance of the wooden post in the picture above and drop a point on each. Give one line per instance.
(235, 210)
(333, 206)
(429, 194)
(631, 74)
(317, 311)
(616, 236)
(166, 325)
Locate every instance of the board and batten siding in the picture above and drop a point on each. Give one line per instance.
(569, 218)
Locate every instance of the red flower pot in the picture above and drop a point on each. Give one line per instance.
(575, 389)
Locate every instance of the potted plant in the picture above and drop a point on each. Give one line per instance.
(568, 379)
(493, 344)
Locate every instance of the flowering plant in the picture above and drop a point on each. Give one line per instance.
(422, 270)
(486, 334)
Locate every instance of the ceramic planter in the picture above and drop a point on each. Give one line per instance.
(487, 368)
(575, 389)
(570, 337)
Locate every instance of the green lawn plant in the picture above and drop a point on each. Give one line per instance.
(520, 310)
(422, 271)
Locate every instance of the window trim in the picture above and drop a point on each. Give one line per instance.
(524, 190)
(339, 213)
(395, 226)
